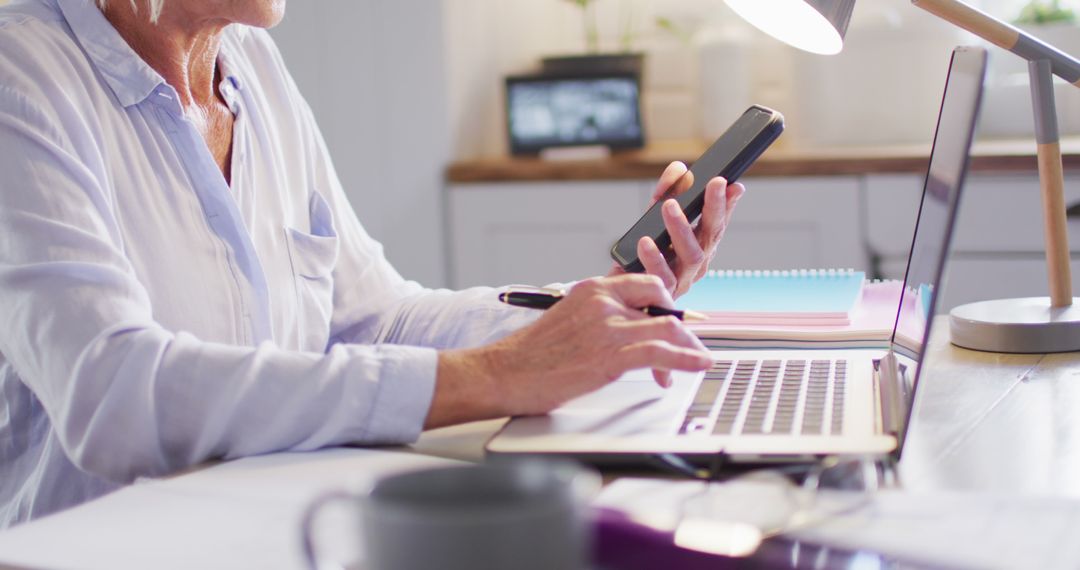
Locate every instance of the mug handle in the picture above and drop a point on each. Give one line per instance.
(307, 522)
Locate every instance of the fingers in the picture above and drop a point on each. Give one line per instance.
(668, 329)
(602, 329)
(683, 240)
(734, 194)
(660, 355)
(637, 290)
(672, 174)
(682, 184)
(689, 252)
(714, 214)
(720, 202)
(655, 263)
(670, 334)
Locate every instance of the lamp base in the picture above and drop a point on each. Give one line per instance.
(1027, 325)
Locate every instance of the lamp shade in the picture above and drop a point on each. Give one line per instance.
(816, 26)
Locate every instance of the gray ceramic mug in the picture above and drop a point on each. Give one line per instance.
(523, 515)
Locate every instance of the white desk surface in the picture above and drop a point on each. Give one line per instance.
(984, 422)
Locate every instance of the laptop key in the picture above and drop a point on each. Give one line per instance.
(836, 426)
(817, 388)
(697, 417)
(762, 398)
(788, 403)
(733, 399)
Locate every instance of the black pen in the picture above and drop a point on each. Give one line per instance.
(547, 298)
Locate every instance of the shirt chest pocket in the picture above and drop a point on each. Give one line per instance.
(314, 256)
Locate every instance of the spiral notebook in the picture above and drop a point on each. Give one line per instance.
(871, 326)
(825, 297)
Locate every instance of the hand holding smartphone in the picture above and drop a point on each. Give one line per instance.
(729, 157)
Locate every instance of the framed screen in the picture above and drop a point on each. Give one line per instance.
(545, 111)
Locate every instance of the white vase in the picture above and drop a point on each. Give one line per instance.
(884, 87)
(726, 81)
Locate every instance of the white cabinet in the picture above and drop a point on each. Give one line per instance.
(997, 250)
(536, 233)
(798, 222)
(892, 203)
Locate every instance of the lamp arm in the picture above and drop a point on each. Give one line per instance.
(1004, 36)
(1044, 61)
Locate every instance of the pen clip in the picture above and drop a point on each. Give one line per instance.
(534, 290)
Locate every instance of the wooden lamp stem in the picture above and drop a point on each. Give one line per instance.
(1052, 182)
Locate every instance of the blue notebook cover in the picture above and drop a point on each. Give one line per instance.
(828, 295)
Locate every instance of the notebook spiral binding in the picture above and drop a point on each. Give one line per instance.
(771, 273)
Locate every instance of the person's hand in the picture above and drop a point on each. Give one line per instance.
(694, 247)
(589, 338)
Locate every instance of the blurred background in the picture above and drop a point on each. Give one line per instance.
(406, 92)
(403, 90)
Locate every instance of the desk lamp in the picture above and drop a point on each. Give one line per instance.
(1030, 325)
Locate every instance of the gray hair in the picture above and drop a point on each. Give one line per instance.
(155, 7)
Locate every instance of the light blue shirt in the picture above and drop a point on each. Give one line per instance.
(155, 317)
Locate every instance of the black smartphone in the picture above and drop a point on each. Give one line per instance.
(729, 156)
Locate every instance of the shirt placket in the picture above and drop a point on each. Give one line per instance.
(222, 214)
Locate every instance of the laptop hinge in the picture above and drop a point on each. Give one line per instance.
(891, 391)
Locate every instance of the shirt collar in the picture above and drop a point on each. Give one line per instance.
(129, 77)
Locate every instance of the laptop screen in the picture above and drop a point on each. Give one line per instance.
(941, 193)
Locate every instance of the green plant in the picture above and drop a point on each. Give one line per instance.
(1045, 12)
(680, 33)
(627, 34)
(588, 14)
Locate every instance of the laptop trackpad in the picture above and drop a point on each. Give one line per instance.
(632, 405)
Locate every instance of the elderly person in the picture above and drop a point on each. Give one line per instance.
(183, 279)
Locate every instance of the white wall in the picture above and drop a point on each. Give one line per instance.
(373, 73)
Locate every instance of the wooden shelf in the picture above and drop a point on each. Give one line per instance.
(988, 156)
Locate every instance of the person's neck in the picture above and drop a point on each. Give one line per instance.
(182, 47)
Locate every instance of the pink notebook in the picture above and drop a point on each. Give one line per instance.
(871, 326)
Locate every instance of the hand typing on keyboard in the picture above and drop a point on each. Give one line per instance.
(588, 339)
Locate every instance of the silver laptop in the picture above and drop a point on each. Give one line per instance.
(760, 406)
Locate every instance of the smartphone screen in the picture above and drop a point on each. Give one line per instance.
(729, 157)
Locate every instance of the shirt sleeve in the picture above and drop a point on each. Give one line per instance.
(125, 396)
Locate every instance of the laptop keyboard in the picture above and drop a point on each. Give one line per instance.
(769, 397)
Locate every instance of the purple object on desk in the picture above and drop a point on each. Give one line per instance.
(619, 543)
